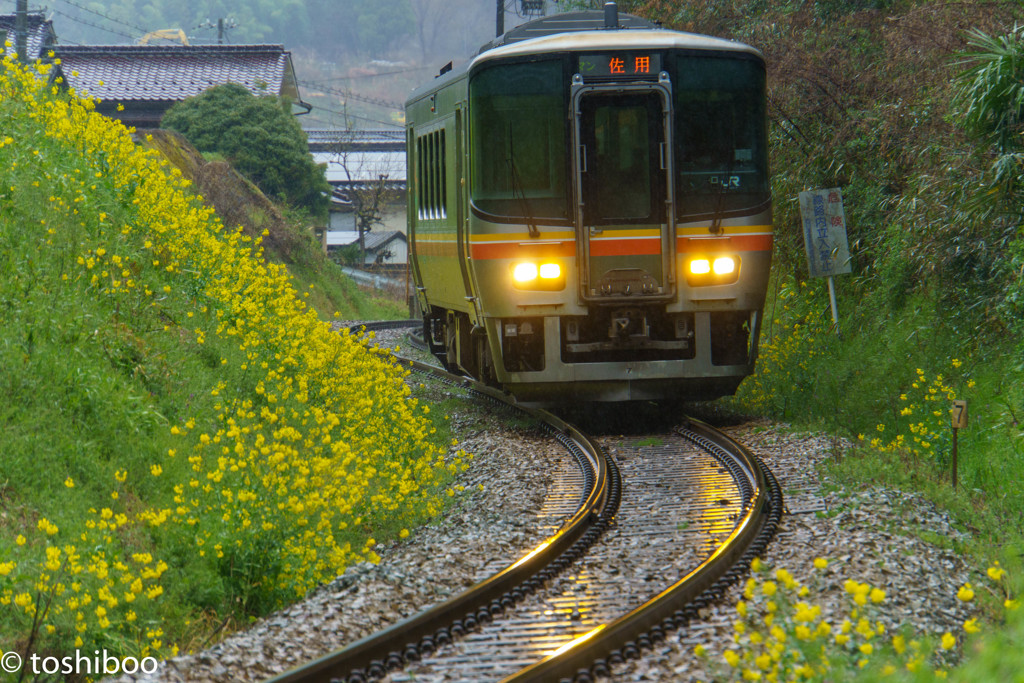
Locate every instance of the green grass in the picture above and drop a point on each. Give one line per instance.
(185, 446)
(861, 386)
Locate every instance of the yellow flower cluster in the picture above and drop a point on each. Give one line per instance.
(921, 419)
(280, 484)
(781, 636)
(84, 587)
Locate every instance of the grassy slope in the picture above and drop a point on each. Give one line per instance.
(184, 444)
(288, 241)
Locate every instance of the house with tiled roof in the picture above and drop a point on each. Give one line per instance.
(358, 159)
(357, 164)
(380, 248)
(40, 37)
(146, 80)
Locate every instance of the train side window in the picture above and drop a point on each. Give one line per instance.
(431, 190)
(420, 180)
(432, 172)
(442, 165)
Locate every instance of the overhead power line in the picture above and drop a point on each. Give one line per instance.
(379, 74)
(89, 23)
(317, 108)
(105, 16)
(352, 96)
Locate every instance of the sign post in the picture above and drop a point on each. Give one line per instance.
(825, 242)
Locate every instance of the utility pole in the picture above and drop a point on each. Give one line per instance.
(500, 18)
(221, 27)
(21, 30)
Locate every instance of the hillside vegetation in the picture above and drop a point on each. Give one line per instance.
(914, 109)
(185, 443)
(284, 234)
(260, 138)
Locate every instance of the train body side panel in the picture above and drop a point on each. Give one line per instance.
(437, 204)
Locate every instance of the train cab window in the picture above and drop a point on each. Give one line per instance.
(431, 186)
(720, 134)
(621, 135)
(519, 140)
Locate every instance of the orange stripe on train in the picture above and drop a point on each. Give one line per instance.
(506, 250)
(483, 251)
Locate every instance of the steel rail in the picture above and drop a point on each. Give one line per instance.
(420, 634)
(590, 655)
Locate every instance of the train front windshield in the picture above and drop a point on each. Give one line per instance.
(520, 137)
(520, 141)
(720, 130)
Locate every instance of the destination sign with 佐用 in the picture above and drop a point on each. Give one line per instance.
(621, 64)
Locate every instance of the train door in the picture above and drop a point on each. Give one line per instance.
(624, 220)
(461, 219)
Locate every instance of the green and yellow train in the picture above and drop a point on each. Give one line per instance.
(590, 212)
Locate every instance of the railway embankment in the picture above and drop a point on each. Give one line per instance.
(186, 444)
(873, 535)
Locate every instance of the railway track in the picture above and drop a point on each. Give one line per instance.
(695, 501)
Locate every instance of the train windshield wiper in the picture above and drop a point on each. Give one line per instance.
(723, 186)
(517, 187)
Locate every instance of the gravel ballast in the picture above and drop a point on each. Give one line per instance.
(871, 535)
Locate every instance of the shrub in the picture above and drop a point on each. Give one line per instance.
(259, 138)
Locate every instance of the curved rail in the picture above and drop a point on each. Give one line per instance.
(408, 640)
(590, 655)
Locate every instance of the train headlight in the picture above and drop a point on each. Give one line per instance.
(524, 272)
(550, 271)
(532, 275)
(725, 265)
(700, 266)
(702, 271)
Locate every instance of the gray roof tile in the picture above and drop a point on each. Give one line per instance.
(376, 240)
(175, 72)
(41, 36)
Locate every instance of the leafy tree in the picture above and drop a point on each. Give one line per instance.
(259, 138)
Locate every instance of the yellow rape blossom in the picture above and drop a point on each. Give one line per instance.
(298, 454)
